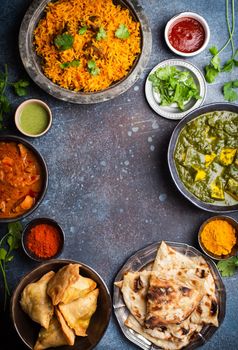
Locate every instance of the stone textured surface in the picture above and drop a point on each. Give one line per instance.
(110, 187)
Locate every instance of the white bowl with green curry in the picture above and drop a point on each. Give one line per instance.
(203, 157)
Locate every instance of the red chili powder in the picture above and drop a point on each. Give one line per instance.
(44, 240)
(187, 35)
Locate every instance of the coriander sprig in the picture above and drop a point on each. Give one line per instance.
(9, 242)
(20, 88)
(228, 267)
(214, 67)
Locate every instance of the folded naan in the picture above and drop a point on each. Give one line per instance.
(170, 301)
(169, 344)
(51, 337)
(35, 301)
(78, 313)
(134, 290)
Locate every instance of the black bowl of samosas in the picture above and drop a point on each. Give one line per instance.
(63, 304)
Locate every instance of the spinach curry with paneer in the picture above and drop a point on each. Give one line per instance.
(206, 157)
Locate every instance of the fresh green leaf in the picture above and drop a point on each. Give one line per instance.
(122, 32)
(8, 243)
(228, 267)
(216, 62)
(92, 68)
(20, 87)
(5, 104)
(235, 84)
(83, 30)
(228, 91)
(213, 50)
(101, 34)
(228, 66)
(210, 73)
(174, 86)
(75, 63)
(3, 253)
(64, 41)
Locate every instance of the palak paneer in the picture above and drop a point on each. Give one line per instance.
(20, 179)
(206, 157)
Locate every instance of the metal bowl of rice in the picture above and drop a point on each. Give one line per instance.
(85, 52)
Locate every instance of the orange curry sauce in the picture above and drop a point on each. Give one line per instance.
(20, 179)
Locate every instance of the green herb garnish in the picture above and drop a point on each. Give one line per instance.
(20, 88)
(92, 68)
(64, 41)
(102, 34)
(174, 86)
(122, 32)
(8, 244)
(83, 30)
(75, 63)
(228, 91)
(214, 67)
(228, 267)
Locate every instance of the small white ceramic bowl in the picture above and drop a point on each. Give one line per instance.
(195, 16)
(18, 116)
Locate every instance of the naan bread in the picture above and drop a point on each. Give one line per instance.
(134, 290)
(170, 301)
(35, 301)
(53, 336)
(78, 313)
(172, 344)
(169, 257)
(171, 270)
(68, 332)
(62, 281)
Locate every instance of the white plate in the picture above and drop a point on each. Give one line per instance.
(172, 111)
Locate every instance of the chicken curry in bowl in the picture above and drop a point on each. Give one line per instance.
(22, 178)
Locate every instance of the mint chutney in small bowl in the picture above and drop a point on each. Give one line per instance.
(33, 118)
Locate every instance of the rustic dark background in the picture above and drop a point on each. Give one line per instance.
(110, 187)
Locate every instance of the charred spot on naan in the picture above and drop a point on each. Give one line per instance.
(138, 284)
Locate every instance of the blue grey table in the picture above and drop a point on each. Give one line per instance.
(110, 187)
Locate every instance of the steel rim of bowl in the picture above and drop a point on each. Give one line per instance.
(212, 107)
(44, 167)
(230, 220)
(29, 57)
(61, 261)
(32, 224)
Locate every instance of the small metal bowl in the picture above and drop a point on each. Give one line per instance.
(234, 251)
(32, 224)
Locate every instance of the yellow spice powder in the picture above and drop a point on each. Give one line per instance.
(219, 237)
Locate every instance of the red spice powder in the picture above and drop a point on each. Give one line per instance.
(44, 240)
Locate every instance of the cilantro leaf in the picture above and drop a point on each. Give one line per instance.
(20, 87)
(92, 68)
(102, 34)
(210, 73)
(75, 63)
(64, 41)
(228, 267)
(122, 32)
(228, 91)
(213, 50)
(174, 86)
(83, 30)
(8, 243)
(228, 66)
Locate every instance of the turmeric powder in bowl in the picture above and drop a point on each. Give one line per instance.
(218, 236)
